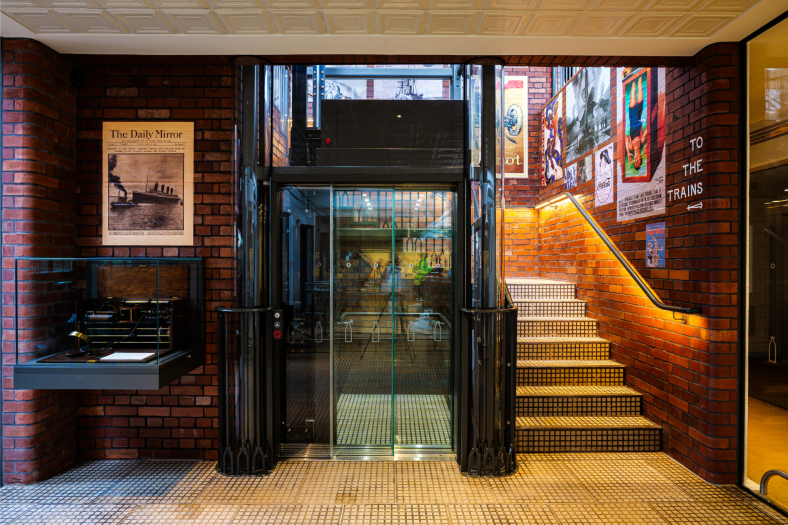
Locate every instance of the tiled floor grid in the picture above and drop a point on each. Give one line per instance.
(561, 489)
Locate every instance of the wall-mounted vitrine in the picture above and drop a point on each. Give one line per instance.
(107, 323)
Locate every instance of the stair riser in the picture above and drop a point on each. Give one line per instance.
(537, 351)
(528, 328)
(570, 376)
(541, 291)
(588, 440)
(552, 309)
(533, 406)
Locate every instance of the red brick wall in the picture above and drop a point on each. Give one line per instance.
(688, 373)
(39, 111)
(180, 420)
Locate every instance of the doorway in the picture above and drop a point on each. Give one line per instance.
(367, 288)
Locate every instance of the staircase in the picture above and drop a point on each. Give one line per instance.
(571, 397)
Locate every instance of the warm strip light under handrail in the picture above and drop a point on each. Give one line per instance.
(628, 267)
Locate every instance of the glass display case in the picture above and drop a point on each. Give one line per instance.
(115, 323)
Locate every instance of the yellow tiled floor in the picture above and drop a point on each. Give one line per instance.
(569, 489)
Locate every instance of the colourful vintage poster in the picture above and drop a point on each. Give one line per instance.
(641, 142)
(516, 126)
(655, 245)
(553, 141)
(587, 111)
(604, 161)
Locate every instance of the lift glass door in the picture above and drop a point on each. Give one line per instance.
(393, 303)
(368, 293)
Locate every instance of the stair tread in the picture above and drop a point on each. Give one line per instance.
(562, 339)
(564, 319)
(569, 363)
(575, 391)
(588, 422)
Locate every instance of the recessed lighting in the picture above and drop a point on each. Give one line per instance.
(399, 116)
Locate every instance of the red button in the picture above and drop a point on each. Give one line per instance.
(328, 141)
(277, 334)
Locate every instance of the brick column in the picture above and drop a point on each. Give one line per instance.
(39, 113)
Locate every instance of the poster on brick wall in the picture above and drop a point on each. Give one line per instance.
(553, 140)
(604, 186)
(516, 126)
(641, 142)
(655, 245)
(148, 184)
(587, 111)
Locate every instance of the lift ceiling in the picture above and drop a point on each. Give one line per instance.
(403, 27)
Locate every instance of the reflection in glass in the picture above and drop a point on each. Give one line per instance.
(767, 260)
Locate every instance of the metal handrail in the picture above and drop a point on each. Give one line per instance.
(768, 475)
(628, 267)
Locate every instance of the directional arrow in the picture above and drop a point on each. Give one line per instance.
(698, 206)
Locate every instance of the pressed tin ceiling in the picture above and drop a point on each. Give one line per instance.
(511, 27)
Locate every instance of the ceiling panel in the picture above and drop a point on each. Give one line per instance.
(40, 21)
(400, 22)
(34, 4)
(195, 21)
(452, 23)
(144, 21)
(618, 5)
(124, 4)
(349, 21)
(508, 23)
(680, 6)
(246, 21)
(699, 25)
(92, 21)
(594, 19)
(566, 5)
(728, 6)
(517, 5)
(454, 4)
(553, 24)
(298, 21)
(651, 24)
(601, 24)
(235, 4)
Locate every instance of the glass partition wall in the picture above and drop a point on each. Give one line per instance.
(766, 380)
(367, 284)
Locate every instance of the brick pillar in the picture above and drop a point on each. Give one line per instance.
(39, 114)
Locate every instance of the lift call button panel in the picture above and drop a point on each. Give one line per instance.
(278, 318)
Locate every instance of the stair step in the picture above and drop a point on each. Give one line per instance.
(545, 401)
(587, 434)
(570, 372)
(540, 289)
(562, 348)
(557, 327)
(550, 308)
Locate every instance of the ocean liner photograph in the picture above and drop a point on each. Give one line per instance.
(146, 191)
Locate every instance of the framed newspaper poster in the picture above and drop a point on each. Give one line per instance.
(148, 184)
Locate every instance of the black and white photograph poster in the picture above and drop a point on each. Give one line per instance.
(148, 184)
(587, 111)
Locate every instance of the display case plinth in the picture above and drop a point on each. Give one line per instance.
(115, 376)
